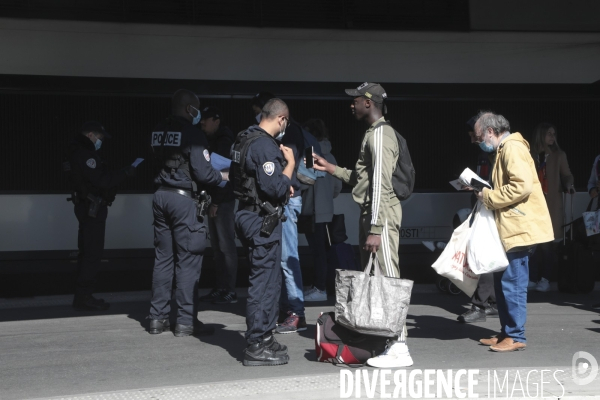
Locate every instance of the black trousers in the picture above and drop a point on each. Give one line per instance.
(544, 261)
(484, 294)
(264, 254)
(90, 241)
(318, 245)
(222, 242)
(179, 244)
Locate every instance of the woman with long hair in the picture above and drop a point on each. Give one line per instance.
(556, 179)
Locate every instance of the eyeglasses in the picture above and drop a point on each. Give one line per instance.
(287, 121)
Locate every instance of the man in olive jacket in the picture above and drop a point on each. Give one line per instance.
(522, 219)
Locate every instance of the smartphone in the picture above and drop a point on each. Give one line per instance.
(310, 161)
(478, 185)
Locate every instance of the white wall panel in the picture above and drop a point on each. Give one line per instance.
(47, 222)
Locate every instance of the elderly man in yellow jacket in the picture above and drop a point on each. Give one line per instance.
(522, 218)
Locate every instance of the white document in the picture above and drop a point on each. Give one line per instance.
(456, 184)
(465, 180)
(137, 162)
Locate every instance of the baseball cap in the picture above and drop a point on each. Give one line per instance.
(372, 91)
(211, 112)
(96, 127)
(261, 98)
(471, 123)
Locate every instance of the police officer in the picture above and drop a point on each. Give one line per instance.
(221, 213)
(262, 184)
(94, 189)
(179, 207)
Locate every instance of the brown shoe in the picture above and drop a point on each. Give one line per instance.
(506, 345)
(491, 341)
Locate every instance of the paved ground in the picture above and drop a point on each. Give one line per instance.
(49, 350)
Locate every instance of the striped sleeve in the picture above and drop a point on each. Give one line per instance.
(384, 157)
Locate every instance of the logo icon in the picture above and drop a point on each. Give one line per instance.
(269, 168)
(584, 368)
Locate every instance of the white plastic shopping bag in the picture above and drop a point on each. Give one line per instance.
(485, 252)
(452, 263)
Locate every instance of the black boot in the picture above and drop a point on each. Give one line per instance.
(197, 329)
(259, 354)
(89, 303)
(158, 326)
(491, 311)
(475, 314)
(272, 344)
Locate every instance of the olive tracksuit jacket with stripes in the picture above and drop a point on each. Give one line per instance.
(381, 212)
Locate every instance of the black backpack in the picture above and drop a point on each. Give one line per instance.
(338, 345)
(403, 178)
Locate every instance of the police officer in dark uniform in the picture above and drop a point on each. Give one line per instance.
(262, 182)
(94, 189)
(221, 213)
(179, 207)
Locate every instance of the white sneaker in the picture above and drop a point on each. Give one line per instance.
(542, 286)
(396, 355)
(315, 295)
(531, 285)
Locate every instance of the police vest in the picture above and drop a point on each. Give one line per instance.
(244, 186)
(167, 146)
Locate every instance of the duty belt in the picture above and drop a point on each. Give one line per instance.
(186, 193)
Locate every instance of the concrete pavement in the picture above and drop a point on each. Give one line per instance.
(49, 350)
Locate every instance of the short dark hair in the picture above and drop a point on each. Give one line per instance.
(378, 106)
(274, 108)
(317, 128)
(497, 122)
(181, 99)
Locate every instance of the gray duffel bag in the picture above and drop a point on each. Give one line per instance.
(371, 304)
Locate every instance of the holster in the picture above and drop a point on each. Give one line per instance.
(95, 203)
(271, 218)
(202, 203)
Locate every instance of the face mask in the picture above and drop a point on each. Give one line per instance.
(98, 144)
(196, 119)
(488, 148)
(258, 117)
(281, 133)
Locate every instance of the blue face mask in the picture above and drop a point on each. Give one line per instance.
(98, 144)
(488, 148)
(195, 119)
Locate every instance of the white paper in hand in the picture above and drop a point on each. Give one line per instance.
(137, 162)
(467, 175)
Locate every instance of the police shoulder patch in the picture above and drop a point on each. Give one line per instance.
(206, 155)
(269, 168)
(91, 163)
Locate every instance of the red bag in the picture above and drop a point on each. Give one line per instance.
(338, 345)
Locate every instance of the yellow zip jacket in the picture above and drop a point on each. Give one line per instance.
(372, 177)
(521, 213)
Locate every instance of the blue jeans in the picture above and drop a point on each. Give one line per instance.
(292, 295)
(511, 295)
